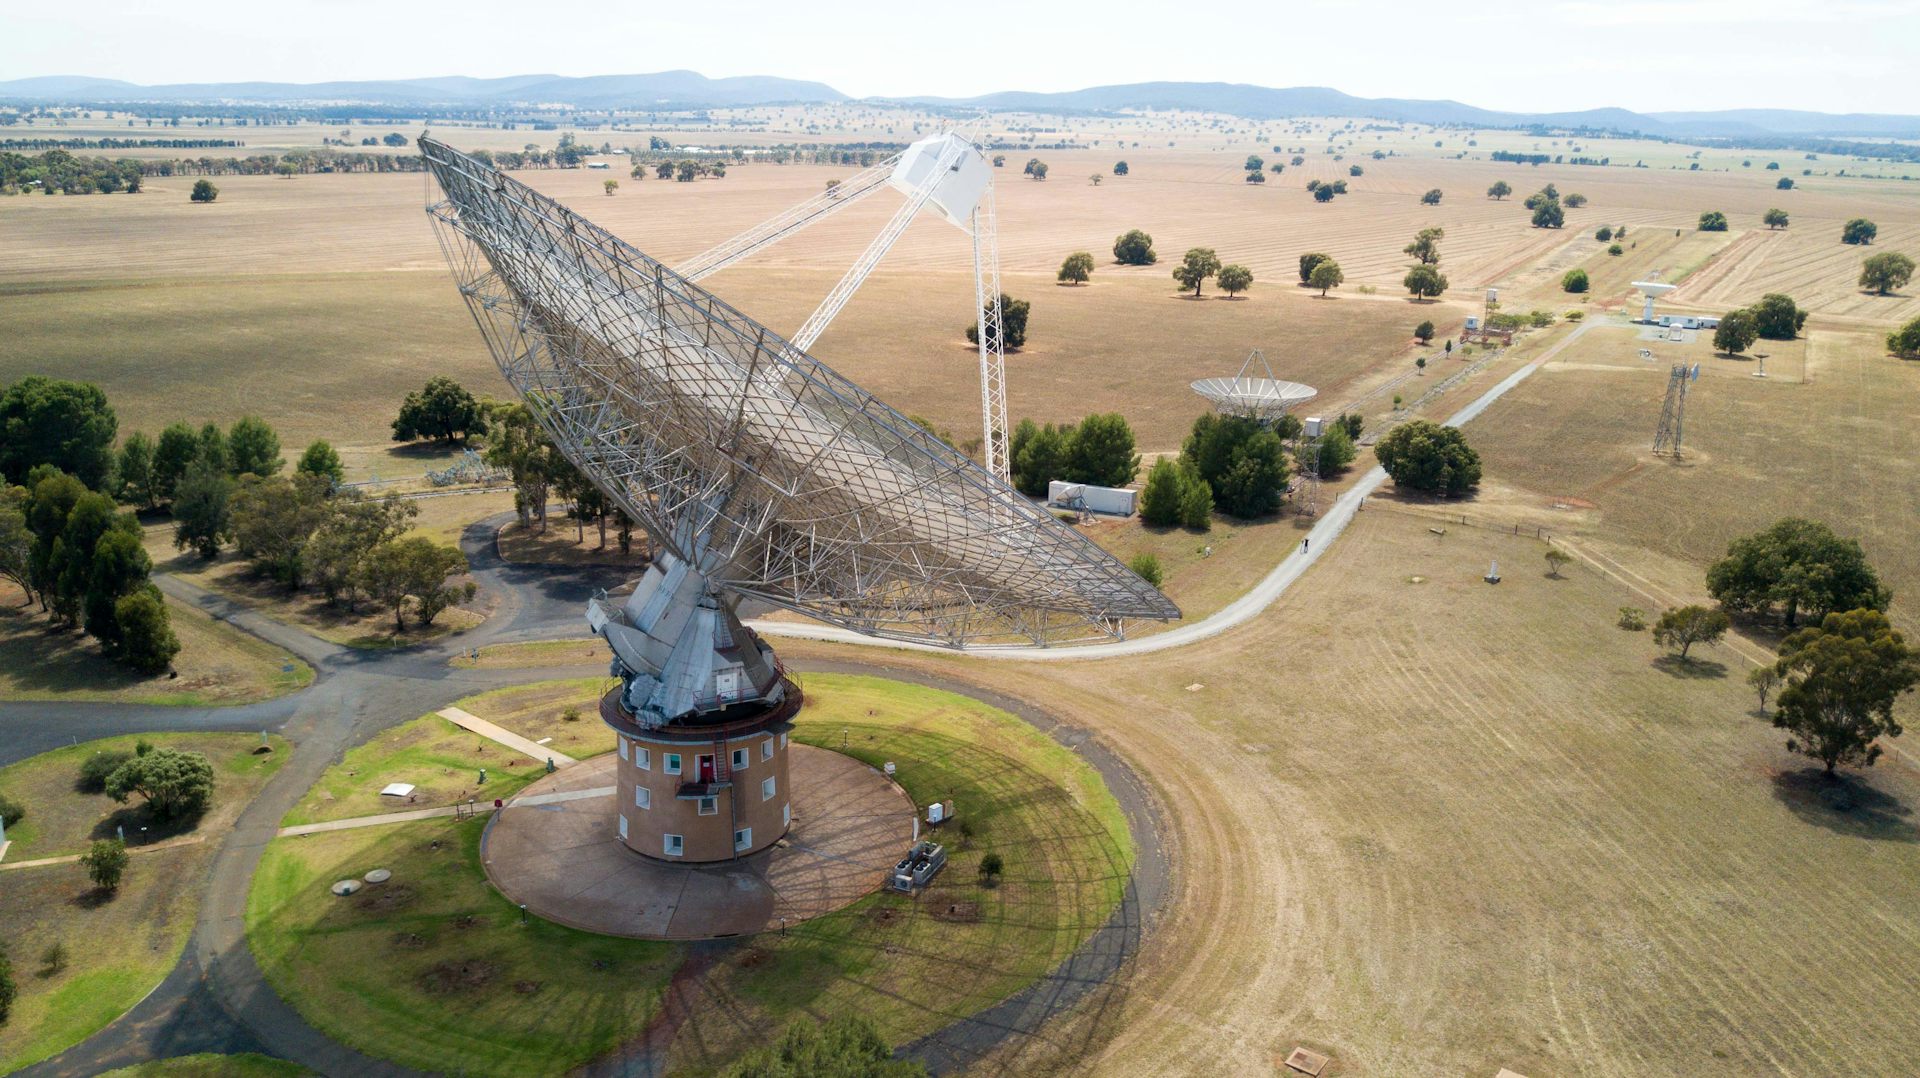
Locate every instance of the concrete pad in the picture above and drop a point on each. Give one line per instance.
(555, 848)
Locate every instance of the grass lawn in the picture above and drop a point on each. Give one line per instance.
(443, 761)
(434, 971)
(587, 652)
(62, 820)
(116, 948)
(217, 664)
(209, 1065)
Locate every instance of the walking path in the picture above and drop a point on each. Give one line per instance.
(70, 858)
(411, 815)
(478, 725)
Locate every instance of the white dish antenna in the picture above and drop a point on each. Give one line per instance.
(1255, 392)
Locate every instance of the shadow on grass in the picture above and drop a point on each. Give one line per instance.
(1845, 804)
(93, 898)
(137, 816)
(1675, 666)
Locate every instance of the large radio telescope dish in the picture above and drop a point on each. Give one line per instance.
(1249, 394)
(756, 467)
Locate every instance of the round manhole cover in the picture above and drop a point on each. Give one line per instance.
(379, 875)
(346, 887)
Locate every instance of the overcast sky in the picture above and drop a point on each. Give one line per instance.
(1834, 56)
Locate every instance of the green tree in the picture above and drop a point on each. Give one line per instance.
(272, 521)
(1310, 260)
(1425, 281)
(1424, 456)
(1077, 269)
(171, 455)
(1326, 274)
(1431, 198)
(520, 446)
(1119, 168)
(1840, 681)
(1324, 193)
(1575, 200)
(16, 540)
(53, 421)
(1774, 218)
(1235, 278)
(1785, 183)
(1243, 463)
(1777, 318)
(1556, 560)
(1037, 170)
(1499, 190)
(443, 410)
(1859, 232)
(354, 525)
(1886, 272)
(1679, 628)
(1763, 680)
(1040, 455)
(1334, 452)
(1355, 171)
(93, 771)
(1426, 245)
(1134, 248)
(1424, 332)
(1253, 177)
(414, 567)
(134, 470)
(1548, 214)
(321, 460)
(848, 1046)
(1013, 320)
(70, 560)
(1605, 234)
(1736, 332)
(1199, 264)
(1795, 565)
(1575, 281)
(202, 509)
(212, 448)
(1160, 495)
(610, 186)
(147, 642)
(1255, 163)
(1905, 341)
(204, 191)
(1101, 451)
(105, 862)
(120, 567)
(46, 509)
(1713, 221)
(253, 448)
(176, 785)
(1147, 567)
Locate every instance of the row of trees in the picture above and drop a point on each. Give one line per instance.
(82, 558)
(1098, 450)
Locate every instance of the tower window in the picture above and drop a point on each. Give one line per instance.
(673, 844)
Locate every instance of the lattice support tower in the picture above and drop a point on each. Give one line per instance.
(1673, 410)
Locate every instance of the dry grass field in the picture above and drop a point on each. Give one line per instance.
(217, 664)
(1435, 827)
(1828, 434)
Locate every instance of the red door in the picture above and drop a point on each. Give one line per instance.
(706, 769)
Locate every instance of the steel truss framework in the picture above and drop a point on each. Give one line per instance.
(763, 470)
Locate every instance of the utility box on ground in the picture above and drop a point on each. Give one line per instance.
(1112, 501)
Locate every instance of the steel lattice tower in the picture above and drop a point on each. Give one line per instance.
(1673, 412)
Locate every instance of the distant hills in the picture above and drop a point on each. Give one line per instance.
(673, 90)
